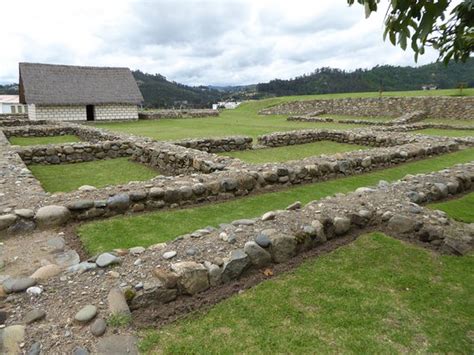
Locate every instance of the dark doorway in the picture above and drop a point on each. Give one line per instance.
(90, 112)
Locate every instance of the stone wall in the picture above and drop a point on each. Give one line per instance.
(217, 145)
(279, 139)
(435, 107)
(188, 113)
(116, 112)
(171, 159)
(229, 183)
(14, 116)
(75, 152)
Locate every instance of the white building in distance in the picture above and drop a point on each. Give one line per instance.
(11, 104)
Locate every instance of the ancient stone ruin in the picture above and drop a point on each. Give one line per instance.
(89, 289)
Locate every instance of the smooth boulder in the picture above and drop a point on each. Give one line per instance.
(53, 215)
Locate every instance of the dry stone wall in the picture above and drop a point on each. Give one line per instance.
(217, 145)
(232, 180)
(279, 139)
(75, 152)
(190, 113)
(439, 107)
(173, 159)
(212, 257)
(197, 176)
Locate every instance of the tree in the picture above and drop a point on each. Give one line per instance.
(425, 23)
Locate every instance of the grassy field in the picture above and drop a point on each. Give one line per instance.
(461, 209)
(99, 173)
(245, 119)
(292, 152)
(162, 226)
(376, 295)
(67, 138)
(445, 132)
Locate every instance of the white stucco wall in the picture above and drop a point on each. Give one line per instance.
(78, 113)
(58, 113)
(116, 112)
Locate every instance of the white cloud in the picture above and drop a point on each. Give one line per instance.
(197, 42)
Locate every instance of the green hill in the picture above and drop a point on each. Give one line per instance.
(386, 77)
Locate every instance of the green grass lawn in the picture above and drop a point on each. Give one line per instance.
(99, 173)
(376, 295)
(245, 119)
(461, 209)
(67, 138)
(155, 227)
(292, 152)
(445, 132)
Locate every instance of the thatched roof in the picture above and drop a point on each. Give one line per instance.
(66, 85)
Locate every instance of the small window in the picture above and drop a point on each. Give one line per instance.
(19, 109)
(13, 109)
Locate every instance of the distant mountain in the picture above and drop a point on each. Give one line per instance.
(159, 92)
(386, 78)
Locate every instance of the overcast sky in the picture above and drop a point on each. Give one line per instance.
(217, 42)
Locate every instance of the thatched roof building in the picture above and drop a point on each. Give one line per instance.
(92, 93)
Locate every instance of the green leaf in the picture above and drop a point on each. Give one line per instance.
(367, 9)
(392, 38)
(402, 40)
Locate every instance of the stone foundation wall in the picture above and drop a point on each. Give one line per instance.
(435, 107)
(171, 159)
(280, 139)
(75, 152)
(240, 180)
(217, 145)
(159, 114)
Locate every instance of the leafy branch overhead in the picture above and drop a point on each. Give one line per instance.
(428, 23)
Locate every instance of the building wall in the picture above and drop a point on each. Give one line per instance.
(78, 112)
(6, 108)
(116, 112)
(57, 113)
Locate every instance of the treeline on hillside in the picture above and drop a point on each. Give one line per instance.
(9, 89)
(159, 92)
(385, 77)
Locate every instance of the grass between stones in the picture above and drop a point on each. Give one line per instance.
(461, 209)
(24, 141)
(292, 152)
(376, 295)
(155, 227)
(445, 132)
(99, 173)
(245, 119)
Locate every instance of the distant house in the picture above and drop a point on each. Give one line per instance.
(11, 104)
(72, 93)
(226, 104)
(429, 87)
